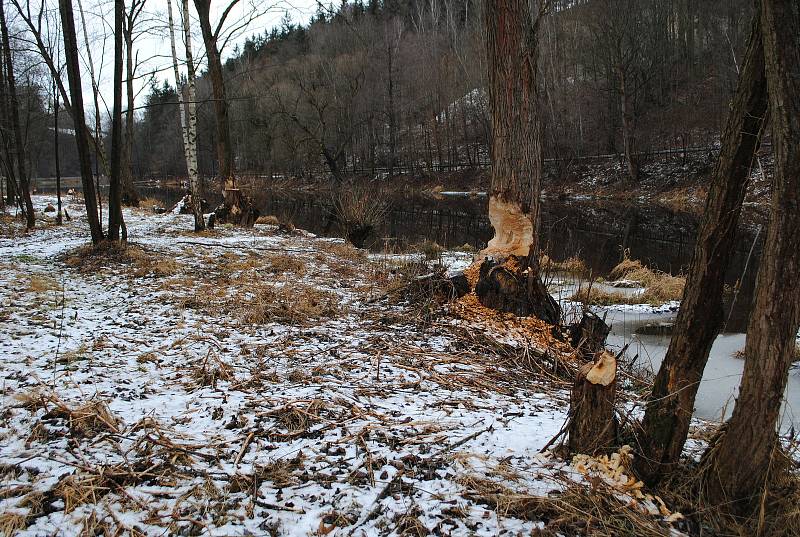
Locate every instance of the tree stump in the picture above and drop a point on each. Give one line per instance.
(593, 425)
(589, 335)
(237, 209)
(513, 287)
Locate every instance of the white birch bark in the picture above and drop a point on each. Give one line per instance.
(188, 113)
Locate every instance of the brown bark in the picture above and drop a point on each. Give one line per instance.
(516, 148)
(222, 124)
(751, 431)
(18, 150)
(81, 136)
(115, 220)
(593, 427)
(130, 196)
(671, 403)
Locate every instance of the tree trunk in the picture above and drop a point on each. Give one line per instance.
(115, 220)
(130, 196)
(671, 403)
(628, 126)
(593, 426)
(81, 139)
(224, 148)
(57, 158)
(188, 113)
(751, 434)
(516, 148)
(18, 147)
(99, 143)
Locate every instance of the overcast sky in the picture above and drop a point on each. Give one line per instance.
(153, 49)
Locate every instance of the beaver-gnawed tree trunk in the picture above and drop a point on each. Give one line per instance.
(510, 280)
(671, 403)
(236, 208)
(738, 466)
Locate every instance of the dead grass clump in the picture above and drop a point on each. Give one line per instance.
(12, 522)
(150, 204)
(210, 370)
(40, 283)
(268, 220)
(574, 265)
(297, 417)
(79, 489)
(284, 263)
(91, 258)
(344, 250)
(430, 249)
(86, 420)
(664, 289)
(595, 510)
(288, 303)
(625, 267)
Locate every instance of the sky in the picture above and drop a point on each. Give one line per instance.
(152, 49)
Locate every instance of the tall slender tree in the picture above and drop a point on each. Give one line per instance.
(221, 120)
(18, 151)
(751, 433)
(187, 112)
(671, 403)
(81, 134)
(116, 222)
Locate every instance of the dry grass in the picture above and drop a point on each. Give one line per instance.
(84, 421)
(430, 249)
(289, 303)
(150, 204)
(660, 287)
(12, 522)
(577, 509)
(268, 220)
(41, 284)
(134, 257)
(574, 266)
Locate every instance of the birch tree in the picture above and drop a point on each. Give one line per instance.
(188, 111)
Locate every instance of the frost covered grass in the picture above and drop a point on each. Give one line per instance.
(261, 382)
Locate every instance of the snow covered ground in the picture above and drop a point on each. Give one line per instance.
(249, 382)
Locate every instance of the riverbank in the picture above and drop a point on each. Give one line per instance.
(258, 382)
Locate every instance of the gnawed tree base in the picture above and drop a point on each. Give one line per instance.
(237, 209)
(589, 335)
(593, 425)
(513, 287)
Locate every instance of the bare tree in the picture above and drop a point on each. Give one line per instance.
(17, 144)
(130, 23)
(188, 112)
(751, 433)
(115, 218)
(81, 137)
(671, 403)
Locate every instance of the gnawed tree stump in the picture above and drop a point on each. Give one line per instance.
(237, 209)
(593, 424)
(514, 287)
(589, 335)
